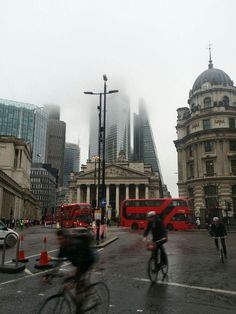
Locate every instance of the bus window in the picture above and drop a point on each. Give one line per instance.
(179, 203)
(179, 217)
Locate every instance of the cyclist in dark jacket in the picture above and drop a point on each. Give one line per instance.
(218, 230)
(159, 232)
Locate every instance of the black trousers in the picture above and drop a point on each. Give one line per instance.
(223, 245)
(163, 254)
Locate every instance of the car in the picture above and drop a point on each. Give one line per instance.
(7, 234)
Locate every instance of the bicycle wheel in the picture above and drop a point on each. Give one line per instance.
(152, 269)
(96, 299)
(56, 304)
(221, 255)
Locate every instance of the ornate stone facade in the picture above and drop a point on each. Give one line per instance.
(124, 180)
(206, 145)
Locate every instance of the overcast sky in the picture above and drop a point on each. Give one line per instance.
(52, 51)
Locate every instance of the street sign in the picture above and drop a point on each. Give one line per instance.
(104, 202)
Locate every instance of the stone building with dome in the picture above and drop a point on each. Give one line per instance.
(206, 145)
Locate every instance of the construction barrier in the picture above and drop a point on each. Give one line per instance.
(21, 253)
(11, 268)
(44, 260)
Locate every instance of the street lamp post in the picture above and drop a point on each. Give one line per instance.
(102, 139)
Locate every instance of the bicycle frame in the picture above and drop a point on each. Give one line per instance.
(220, 247)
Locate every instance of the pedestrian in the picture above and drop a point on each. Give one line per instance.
(198, 223)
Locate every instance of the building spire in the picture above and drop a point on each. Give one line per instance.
(210, 65)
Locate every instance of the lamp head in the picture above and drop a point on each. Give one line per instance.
(105, 77)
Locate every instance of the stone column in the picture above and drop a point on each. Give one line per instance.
(146, 191)
(127, 191)
(88, 194)
(78, 194)
(108, 194)
(136, 191)
(117, 199)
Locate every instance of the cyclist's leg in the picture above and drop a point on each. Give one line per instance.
(163, 255)
(217, 244)
(224, 247)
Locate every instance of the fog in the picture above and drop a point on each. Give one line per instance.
(52, 51)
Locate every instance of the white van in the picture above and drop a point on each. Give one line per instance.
(10, 235)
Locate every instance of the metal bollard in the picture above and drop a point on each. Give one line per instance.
(14, 267)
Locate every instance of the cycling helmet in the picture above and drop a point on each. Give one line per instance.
(216, 219)
(151, 214)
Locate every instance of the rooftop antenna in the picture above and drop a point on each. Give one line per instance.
(210, 65)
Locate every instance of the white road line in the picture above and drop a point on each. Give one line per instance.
(31, 256)
(36, 274)
(175, 284)
(27, 271)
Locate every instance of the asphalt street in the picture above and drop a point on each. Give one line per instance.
(197, 282)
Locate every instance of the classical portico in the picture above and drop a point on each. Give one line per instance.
(123, 181)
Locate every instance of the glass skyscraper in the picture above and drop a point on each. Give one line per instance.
(71, 161)
(25, 121)
(144, 144)
(117, 128)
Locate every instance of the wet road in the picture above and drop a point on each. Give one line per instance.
(197, 281)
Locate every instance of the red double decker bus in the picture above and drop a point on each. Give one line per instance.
(76, 215)
(177, 213)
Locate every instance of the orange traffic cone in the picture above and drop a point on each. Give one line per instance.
(44, 259)
(21, 253)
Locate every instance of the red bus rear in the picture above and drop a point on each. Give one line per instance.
(176, 213)
(76, 215)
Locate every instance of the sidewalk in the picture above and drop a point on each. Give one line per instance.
(109, 238)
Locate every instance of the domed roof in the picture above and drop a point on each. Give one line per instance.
(212, 76)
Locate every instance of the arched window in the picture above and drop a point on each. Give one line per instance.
(234, 190)
(207, 102)
(225, 100)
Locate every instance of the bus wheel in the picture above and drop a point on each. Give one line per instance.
(134, 226)
(170, 227)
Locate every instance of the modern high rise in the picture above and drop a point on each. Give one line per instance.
(144, 144)
(25, 121)
(71, 161)
(56, 132)
(117, 128)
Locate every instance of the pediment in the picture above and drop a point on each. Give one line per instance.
(114, 171)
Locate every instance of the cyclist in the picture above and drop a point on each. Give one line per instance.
(159, 233)
(218, 230)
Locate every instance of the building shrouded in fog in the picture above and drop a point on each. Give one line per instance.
(56, 133)
(206, 144)
(117, 128)
(144, 145)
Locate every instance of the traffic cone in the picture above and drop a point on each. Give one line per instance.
(44, 259)
(21, 253)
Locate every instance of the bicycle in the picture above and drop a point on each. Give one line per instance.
(156, 262)
(221, 251)
(82, 297)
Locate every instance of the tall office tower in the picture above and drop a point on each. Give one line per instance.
(56, 133)
(117, 128)
(144, 144)
(71, 161)
(25, 121)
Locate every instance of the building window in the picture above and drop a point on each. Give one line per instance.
(226, 101)
(233, 166)
(234, 190)
(190, 170)
(208, 146)
(209, 168)
(232, 123)
(210, 190)
(190, 150)
(206, 124)
(232, 146)
(207, 102)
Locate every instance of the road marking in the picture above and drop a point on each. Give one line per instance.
(27, 271)
(19, 291)
(36, 274)
(31, 256)
(175, 284)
